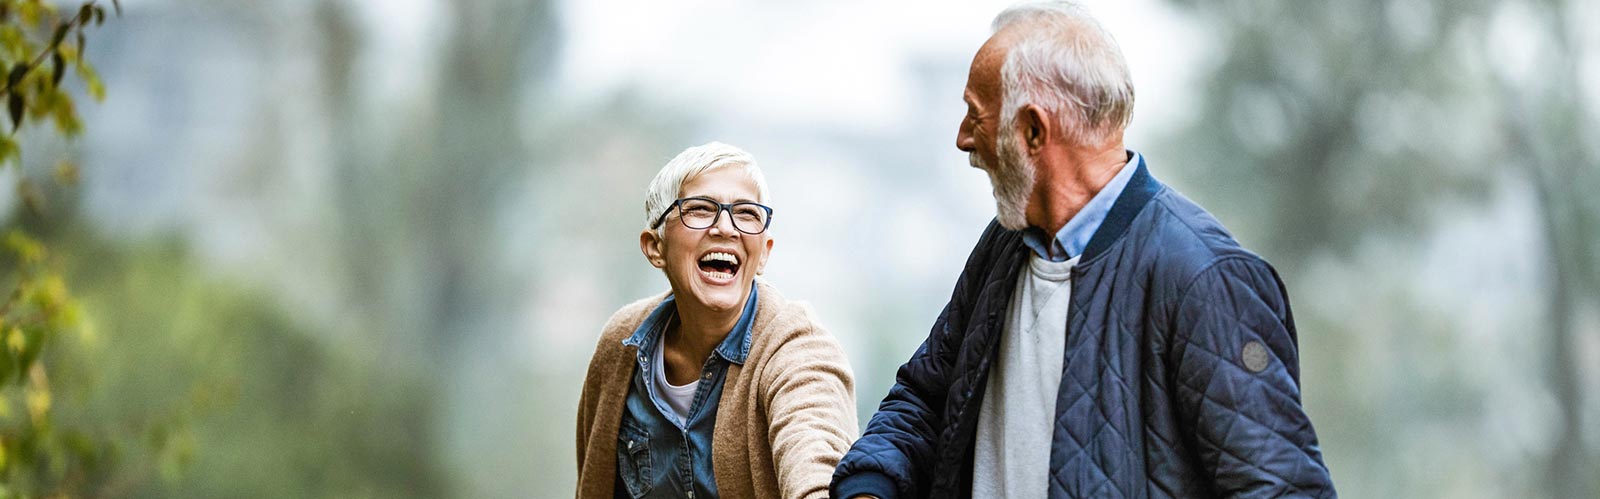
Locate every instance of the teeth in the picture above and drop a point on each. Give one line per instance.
(718, 275)
(718, 255)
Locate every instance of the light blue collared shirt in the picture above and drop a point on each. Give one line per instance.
(1074, 236)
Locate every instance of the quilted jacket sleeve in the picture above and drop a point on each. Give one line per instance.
(1237, 386)
(896, 451)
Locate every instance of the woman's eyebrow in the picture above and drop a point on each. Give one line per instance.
(714, 198)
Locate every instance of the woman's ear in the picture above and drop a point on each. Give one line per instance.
(650, 245)
(766, 251)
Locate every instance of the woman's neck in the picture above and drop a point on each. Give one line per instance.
(698, 332)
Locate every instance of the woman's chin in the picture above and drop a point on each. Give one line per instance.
(712, 292)
(717, 298)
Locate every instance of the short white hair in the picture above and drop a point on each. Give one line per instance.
(668, 184)
(1068, 64)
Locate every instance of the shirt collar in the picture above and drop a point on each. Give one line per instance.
(734, 348)
(1074, 236)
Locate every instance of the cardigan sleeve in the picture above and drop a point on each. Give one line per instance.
(811, 411)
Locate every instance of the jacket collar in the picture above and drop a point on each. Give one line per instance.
(1139, 191)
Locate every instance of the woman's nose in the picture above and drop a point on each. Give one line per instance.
(728, 229)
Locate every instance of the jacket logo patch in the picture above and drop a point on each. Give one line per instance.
(1255, 356)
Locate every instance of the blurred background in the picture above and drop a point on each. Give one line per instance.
(364, 248)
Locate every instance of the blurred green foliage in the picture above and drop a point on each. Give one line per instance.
(126, 370)
(227, 394)
(41, 322)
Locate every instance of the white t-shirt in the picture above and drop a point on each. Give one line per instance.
(1017, 416)
(679, 398)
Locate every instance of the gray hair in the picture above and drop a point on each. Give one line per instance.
(1066, 63)
(668, 184)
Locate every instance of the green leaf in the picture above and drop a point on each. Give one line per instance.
(57, 70)
(16, 106)
(60, 34)
(9, 151)
(18, 71)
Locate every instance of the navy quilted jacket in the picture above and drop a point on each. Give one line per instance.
(1181, 376)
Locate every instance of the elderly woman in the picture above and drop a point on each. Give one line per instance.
(721, 386)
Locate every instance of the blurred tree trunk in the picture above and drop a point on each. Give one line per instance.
(1547, 132)
(1552, 158)
(419, 211)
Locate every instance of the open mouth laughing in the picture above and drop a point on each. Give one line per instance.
(719, 266)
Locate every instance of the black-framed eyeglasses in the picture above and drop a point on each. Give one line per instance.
(700, 213)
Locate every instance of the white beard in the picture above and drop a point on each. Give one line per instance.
(1012, 180)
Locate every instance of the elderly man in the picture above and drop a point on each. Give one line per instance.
(1107, 337)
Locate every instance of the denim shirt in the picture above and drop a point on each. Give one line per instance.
(658, 455)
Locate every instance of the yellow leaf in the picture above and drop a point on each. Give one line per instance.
(12, 39)
(38, 403)
(66, 172)
(15, 340)
(67, 316)
(97, 89)
(87, 334)
(30, 12)
(29, 250)
(51, 293)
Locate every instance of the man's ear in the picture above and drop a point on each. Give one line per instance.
(1034, 125)
(652, 248)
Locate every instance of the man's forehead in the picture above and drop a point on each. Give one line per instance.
(983, 79)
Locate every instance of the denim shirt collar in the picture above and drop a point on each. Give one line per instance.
(733, 349)
(1073, 237)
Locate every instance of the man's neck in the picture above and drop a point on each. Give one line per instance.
(1068, 179)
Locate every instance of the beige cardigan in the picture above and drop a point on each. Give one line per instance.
(785, 418)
